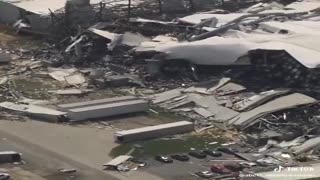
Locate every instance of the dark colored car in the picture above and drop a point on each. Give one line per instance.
(199, 155)
(213, 153)
(164, 159)
(205, 174)
(180, 157)
(220, 169)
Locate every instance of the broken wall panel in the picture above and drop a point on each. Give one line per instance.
(117, 161)
(40, 112)
(281, 103)
(167, 95)
(255, 100)
(230, 88)
(210, 104)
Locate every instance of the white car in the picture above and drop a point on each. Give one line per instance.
(205, 174)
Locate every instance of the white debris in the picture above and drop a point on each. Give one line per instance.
(4, 80)
(70, 76)
(60, 74)
(37, 111)
(71, 91)
(75, 79)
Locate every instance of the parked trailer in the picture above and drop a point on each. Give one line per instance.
(154, 131)
(104, 108)
(9, 157)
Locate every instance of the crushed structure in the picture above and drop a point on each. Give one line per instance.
(246, 67)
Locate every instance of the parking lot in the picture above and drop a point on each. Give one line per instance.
(187, 170)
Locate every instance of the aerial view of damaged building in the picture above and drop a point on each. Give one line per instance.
(159, 89)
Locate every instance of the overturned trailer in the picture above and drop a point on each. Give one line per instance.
(154, 131)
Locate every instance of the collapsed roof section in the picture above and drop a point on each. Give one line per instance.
(227, 50)
(229, 37)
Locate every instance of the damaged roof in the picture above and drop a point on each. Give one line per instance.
(226, 51)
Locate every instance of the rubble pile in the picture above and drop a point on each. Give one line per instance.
(254, 69)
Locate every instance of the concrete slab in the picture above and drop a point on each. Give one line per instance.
(220, 113)
(255, 100)
(167, 95)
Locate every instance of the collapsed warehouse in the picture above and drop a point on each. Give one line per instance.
(252, 69)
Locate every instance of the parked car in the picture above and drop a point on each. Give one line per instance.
(180, 157)
(199, 155)
(164, 159)
(213, 153)
(205, 174)
(220, 169)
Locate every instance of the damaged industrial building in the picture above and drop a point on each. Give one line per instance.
(159, 89)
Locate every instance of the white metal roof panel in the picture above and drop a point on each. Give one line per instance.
(118, 160)
(226, 51)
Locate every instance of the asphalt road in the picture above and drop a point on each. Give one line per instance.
(46, 163)
(48, 147)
